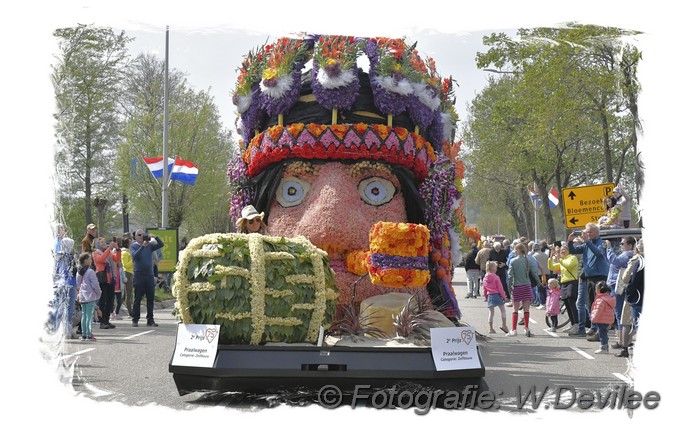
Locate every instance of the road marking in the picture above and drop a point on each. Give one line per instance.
(137, 335)
(77, 353)
(551, 333)
(532, 320)
(582, 353)
(624, 378)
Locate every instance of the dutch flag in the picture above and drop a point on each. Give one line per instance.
(155, 165)
(553, 198)
(184, 171)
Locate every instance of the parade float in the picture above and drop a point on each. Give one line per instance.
(357, 175)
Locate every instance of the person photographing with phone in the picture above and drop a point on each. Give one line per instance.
(106, 257)
(595, 264)
(144, 280)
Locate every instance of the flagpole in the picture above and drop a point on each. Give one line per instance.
(164, 185)
(170, 175)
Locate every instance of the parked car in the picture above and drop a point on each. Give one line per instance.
(619, 233)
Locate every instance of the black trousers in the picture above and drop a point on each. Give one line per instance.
(106, 301)
(503, 275)
(570, 305)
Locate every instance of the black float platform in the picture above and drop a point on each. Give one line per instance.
(260, 369)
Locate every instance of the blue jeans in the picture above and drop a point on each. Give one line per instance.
(582, 305)
(119, 302)
(603, 329)
(635, 311)
(618, 309)
(534, 291)
(541, 294)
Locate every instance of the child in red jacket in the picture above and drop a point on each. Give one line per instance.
(602, 314)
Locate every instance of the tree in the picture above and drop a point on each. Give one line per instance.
(194, 133)
(500, 149)
(559, 109)
(87, 82)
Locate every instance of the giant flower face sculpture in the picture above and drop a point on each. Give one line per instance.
(344, 157)
(334, 205)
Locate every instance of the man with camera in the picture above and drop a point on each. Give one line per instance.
(595, 264)
(144, 280)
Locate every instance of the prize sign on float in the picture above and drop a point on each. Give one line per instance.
(196, 345)
(454, 348)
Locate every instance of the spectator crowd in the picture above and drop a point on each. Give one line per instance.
(598, 284)
(93, 285)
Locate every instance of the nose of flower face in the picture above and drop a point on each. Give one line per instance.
(336, 220)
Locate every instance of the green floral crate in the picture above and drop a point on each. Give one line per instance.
(258, 288)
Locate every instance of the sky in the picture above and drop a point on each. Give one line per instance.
(27, 98)
(210, 57)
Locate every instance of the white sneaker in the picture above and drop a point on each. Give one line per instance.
(512, 333)
(528, 333)
(552, 330)
(540, 307)
(602, 349)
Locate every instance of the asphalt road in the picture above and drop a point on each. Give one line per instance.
(130, 365)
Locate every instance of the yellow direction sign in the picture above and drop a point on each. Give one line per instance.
(584, 204)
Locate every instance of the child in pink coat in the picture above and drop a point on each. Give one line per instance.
(552, 303)
(602, 314)
(494, 295)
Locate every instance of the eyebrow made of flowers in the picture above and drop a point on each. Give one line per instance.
(368, 168)
(302, 168)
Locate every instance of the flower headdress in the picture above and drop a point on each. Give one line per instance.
(280, 84)
(247, 93)
(392, 74)
(335, 78)
(270, 92)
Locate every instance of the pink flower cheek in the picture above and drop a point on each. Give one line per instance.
(284, 221)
